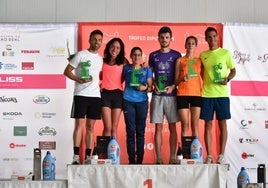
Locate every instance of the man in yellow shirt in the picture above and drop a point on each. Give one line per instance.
(218, 69)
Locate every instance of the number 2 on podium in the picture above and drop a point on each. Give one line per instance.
(149, 183)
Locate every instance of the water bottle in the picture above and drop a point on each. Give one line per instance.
(196, 150)
(49, 167)
(242, 178)
(179, 154)
(113, 151)
(261, 174)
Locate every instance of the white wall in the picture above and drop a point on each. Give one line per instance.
(58, 11)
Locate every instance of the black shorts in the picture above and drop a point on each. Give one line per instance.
(112, 98)
(89, 107)
(188, 101)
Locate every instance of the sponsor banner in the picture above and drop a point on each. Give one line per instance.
(35, 97)
(30, 81)
(247, 138)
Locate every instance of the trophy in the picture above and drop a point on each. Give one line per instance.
(161, 83)
(191, 70)
(134, 81)
(70, 56)
(85, 70)
(217, 73)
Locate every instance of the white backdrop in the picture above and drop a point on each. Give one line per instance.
(248, 128)
(35, 96)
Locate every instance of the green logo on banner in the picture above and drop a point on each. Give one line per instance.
(20, 131)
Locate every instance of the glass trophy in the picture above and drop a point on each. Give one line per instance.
(217, 73)
(190, 68)
(85, 70)
(161, 83)
(134, 81)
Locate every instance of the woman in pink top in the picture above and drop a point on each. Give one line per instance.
(112, 85)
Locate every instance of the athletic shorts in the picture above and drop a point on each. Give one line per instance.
(163, 106)
(221, 106)
(112, 98)
(89, 107)
(188, 101)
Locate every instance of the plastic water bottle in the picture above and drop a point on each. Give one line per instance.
(242, 178)
(196, 150)
(261, 175)
(113, 151)
(49, 167)
(179, 154)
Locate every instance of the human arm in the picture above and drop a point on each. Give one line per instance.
(230, 76)
(179, 78)
(68, 72)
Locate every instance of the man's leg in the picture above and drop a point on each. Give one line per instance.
(172, 142)
(158, 142)
(208, 140)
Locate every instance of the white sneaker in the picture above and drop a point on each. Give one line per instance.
(76, 160)
(209, 159)
(87, 160)
(220, 159)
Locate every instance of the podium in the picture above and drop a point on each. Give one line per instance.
(147, 176)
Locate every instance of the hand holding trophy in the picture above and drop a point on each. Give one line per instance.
(85, 74)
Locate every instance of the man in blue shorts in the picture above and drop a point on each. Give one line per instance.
(84, 68)
(218, 69)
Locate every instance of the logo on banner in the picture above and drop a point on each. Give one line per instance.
(263, 58)
(32, 81)
(11, 115)
(11, 79)
(20, 131)
(27, 66)
(248, 140)
(8, 66)
(241, 58)
(8, 51)
(245, 155)
(45, 115)
(10, 35)
(41, 99)
(47, 131)
(13, 145)
(5, 99)
(30, 51)
(266, 124)
(47, 145)
(57, 52)
(254, 107)
(244, 124)
(10, 159)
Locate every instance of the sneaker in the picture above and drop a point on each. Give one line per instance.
(220, 159)
(87, 160)
(159, 161)
(172, 161)
(209, 159)
(76, 160)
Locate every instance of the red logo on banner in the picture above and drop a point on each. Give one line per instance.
(27, 65)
